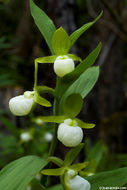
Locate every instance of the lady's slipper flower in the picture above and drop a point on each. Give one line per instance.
(22, 105)
(63, 65)
(69, 133)
(75, 182)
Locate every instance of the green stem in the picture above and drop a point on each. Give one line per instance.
(55, 112)
(54, 141)
(35, 74)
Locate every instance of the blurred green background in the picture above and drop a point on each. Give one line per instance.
(21, 42)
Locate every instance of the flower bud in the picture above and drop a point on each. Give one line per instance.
(63, 65)
(75, 182)
(69, 133)
(48, 137)
(25, 137)
(22, 105)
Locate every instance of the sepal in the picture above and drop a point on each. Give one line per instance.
(47, 59)
(61, 42)
(53, 172)
(84, 125)
(78, 167)
(51, 119)
(42, 101)
(56, 161)
(45, 89)
(52, 58)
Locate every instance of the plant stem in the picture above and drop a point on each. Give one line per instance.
(35, 73)
(54, 141)
(55, 112)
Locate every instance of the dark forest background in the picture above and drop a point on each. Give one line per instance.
(21, 42)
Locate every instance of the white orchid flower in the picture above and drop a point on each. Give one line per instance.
(63, 65)
(75, 182)
(22, 105)
(69, 133)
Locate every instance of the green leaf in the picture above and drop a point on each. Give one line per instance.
(61, 42)
(47, 59)
(96, 152)
(56, 161)
(56, 187)
(44, 23)
(79, 166)
(42, 101)
(114, 178)
(84, 125)
(85, 64)
(38, 187)
(83, 85)
(45, 89)
(71, 155)
(35, 185)
(10, 126)
(52, 119)
(73, 105)
(94, 155)
(53, 172)
(76, 34)
(67, 80)
(18, 174)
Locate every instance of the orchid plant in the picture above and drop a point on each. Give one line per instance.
(72, 86)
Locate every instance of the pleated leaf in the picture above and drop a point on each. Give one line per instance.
(76, 34)
(114, 178)
(73, 105)
(18, 174)
(83, 85)
(44, 23)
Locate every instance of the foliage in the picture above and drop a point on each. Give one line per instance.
(22, 172)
